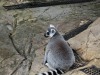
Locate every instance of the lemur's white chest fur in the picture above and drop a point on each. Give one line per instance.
(58, 55)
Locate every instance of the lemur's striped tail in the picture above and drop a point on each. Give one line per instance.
(53, 72)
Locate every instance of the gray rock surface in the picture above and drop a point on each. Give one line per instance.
(88, 47)
(9, 58)
(87, 43)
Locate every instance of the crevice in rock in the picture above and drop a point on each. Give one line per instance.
(30, 48)
(42, 13)
(92, 33)
(17, 67)
(6, 58)
(77, 30)
(30, 65)
(92, 70)
(94, 59)
(28, 56)
(79, 62)
(55, 16)
(18, 51)
(43, 4)
(25, 63)
(87, 41)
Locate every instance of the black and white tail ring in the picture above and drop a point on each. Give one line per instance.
(53, 72)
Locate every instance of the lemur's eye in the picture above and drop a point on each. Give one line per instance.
(52, 31)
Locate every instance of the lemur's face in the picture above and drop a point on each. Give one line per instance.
(50, 31)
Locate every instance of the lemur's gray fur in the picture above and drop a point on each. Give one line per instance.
(59, 57)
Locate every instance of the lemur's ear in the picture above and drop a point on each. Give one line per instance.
(52, 26)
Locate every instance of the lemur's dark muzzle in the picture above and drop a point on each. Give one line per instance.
(45, 35)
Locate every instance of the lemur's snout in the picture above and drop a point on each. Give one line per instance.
(45, 35)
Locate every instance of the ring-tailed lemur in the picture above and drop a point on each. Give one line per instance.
(59, 57)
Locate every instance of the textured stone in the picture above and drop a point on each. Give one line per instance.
(9, 58)
(87, 42)
(37, 66)
(87, 46)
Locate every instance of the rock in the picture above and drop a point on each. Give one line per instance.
(87, 46)
(9, 58)
(78, 71)
(37, 66)
(87, 42)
